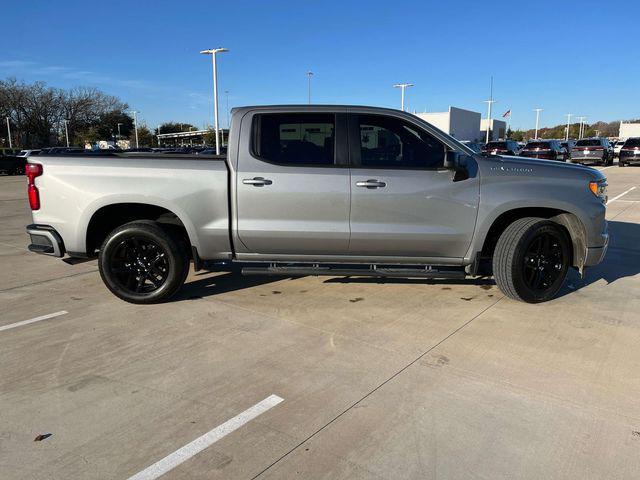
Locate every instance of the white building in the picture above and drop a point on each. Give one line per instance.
(629, 130)
(498, 129)
(457, 122)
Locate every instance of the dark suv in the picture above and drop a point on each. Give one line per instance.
(592, 150)
(502, 147)
(630, 152)
(546, 149)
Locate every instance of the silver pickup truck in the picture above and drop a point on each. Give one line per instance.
(321, 190)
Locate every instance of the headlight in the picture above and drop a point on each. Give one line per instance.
(599, 189)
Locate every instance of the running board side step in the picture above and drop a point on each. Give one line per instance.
(358, 271)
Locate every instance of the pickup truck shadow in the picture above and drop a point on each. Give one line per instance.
(221, 283)
(622, 258)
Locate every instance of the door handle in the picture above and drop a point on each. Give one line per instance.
(257, 181)
(371, 183)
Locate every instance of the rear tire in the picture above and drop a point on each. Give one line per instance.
(621, 164)
(531, 260)
(143, 262)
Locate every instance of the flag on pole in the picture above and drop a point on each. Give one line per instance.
(506, 114)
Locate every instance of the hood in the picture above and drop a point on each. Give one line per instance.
(549, 165)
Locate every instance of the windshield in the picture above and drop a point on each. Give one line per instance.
(632, 142)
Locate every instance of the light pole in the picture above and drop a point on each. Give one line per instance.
(568, 115)
(213, 52)
(226, 95)
(402, 87)
(66, 131)
(135, 125)
(9, 133)
(581, 130)
(119, 134)
(309, 75)
(537, 110)
(158, 135)
(489, 103)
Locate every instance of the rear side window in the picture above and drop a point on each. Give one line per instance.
(294, 138)
(588, 143)
(388, 142)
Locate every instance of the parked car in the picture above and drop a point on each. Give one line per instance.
(617, 147)
(11, 164)
(592, 151)
(502, 147)
(476, 147)
(26, 153)
(545, 149)
(413, 202)
(630, 152)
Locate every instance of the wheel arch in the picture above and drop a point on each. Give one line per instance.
(570, 223)
(108, 217)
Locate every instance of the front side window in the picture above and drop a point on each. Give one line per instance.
(295, 138)
(387, 142)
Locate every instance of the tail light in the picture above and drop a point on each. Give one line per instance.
(33, 170)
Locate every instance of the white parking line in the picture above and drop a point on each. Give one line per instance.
(199, 444)
(604, 168)
(622, 194)
(33, 320)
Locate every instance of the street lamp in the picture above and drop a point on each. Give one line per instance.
(158, 135)
(9, 133)
(402, 87)
(213, 52)
(537, 110)
(135, 125)
(581, 130)
(309, 75)
(66, 131)
(568, 115)
(489, 103)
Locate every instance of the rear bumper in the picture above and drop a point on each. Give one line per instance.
(45, 240)
(629, 159)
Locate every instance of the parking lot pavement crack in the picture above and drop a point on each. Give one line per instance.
(375, 389)
(47, 281)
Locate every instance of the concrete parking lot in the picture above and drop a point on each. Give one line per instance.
(362, 378)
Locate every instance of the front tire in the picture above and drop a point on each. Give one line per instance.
(142, 262)
(531, 260)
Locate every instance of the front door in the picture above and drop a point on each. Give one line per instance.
(404, 202)
(292, 185)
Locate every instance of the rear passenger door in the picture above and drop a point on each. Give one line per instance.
(292, 185)
(404, 202)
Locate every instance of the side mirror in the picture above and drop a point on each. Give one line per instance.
(455, 160)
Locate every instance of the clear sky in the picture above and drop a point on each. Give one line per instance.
(565, 56)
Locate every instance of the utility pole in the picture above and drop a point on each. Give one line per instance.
(537, 110)
(213, 52)
(309, 75)
(9, 133)
(489, 103)
(135, 125)
(568, 115)
(66, 131)
(402, 87)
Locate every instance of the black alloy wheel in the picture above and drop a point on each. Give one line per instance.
(144, 262)
(139, 265)
(543, 262)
